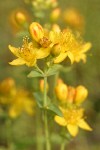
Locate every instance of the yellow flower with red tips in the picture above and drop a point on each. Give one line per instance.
(73, 120)
(36, 31)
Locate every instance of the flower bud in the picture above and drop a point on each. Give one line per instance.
(81, 94)
(55, 14)
(42, 86)
(7, 85)
(56, 28)
(55, 50)
(61, 91)
(36, 31)
(20, 17)
(71, 94)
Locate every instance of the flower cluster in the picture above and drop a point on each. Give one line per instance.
(70, 100)
(55, 43)
(15, 100)
(69, 94)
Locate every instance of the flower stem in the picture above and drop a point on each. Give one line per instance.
(48, 146)
(63, 145)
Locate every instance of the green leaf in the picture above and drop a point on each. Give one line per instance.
(39, 99)
(55, 109)
(35, 73)
(53, 70)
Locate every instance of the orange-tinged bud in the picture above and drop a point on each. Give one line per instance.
(36, 31)
(61, 91)
(71, 94)
(42, 86)
(55, 14)
(7, 85)
(81, 94)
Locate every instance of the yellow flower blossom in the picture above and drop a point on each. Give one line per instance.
(21, 103)
(69, 46)
(73, 120)
(59, 44)
(28, 53)
(7, 91)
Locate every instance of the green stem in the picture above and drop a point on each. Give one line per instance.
(39, 132)
(63, 145)
(48, 146)
(39, 70)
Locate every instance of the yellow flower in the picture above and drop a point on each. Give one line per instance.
(21, 103)
(7, 91)
(68, 46)
(73, 120)
(28, 53)
(80, 50)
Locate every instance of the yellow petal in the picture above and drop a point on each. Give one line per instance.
(18, 61)
(60, 58)
(14, 50)
(60, 120)
(73, 129)
(86, 47)
(82, 124)
(42, 53)
(71, 57)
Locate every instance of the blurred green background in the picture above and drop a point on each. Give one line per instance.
(86, 74)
